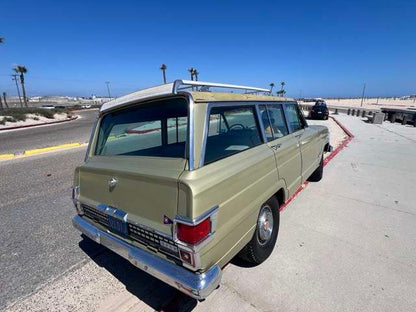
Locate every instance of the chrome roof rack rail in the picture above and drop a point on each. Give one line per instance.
(179, 85)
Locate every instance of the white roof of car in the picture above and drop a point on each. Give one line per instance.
(171, 88)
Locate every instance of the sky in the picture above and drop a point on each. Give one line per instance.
(318, 48)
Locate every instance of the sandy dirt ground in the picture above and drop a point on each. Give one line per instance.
(31, 121)
(336, 134)
(370, 103)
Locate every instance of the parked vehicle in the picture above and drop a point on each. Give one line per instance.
(179, 180)
(48, 106)
(319, 110)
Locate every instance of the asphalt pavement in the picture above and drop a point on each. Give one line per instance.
(77, 131)
(37, 241)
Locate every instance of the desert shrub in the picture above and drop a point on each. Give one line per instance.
(35, 118)
(17, 114)
(10, 119)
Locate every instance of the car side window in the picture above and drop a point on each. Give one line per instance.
(294, 120)
(273, 121)
(237, 132)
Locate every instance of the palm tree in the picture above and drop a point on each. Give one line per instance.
(282, 84)
(196, 73)
(22, 70)
(163, 69)
(191, 71)
(271, 87)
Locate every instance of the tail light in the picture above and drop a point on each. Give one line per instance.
(193, 234)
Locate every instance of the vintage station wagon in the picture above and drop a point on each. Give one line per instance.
(180, 178)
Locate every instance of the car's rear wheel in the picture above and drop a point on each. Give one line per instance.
(317, 175)
(265, 236)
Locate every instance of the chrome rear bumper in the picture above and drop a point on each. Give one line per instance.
(195, 285)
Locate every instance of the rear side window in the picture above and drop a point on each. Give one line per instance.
(273, 121)
(231, 130)
(294, 119)
(155, 129)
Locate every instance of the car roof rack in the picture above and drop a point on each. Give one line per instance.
(181, 85)
(174, 88)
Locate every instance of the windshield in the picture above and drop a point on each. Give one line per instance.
(155, 129)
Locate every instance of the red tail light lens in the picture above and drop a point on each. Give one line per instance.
(194, 234)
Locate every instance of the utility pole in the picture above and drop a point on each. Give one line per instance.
(362, 97)
(108, 89)
(5, 101)
(17, 87)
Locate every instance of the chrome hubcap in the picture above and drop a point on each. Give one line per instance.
(265, 224)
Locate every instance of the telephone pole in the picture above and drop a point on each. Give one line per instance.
(17, 87)
(108, 89)
(362, 97)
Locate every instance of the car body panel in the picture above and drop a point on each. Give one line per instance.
(146, 189)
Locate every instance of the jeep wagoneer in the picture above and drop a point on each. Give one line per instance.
(180, 178)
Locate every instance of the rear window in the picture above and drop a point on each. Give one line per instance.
(230, 131)
(155, 129)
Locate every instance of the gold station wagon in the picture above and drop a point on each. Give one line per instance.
(180, 178)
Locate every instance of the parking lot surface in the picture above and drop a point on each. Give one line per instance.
(346, 243)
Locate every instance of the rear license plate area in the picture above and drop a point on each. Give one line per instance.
(118, 226)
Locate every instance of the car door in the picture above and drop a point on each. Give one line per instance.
(284, 144)
(306, 139)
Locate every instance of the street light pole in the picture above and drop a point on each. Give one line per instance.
(17, 86)
(362, 97)
(108, 89)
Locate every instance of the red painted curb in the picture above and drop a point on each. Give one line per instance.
(41, 124)
(326, 161)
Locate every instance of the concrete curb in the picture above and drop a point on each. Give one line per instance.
(41, 124)
(41, 150)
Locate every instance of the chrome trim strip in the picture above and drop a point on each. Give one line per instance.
(205, 136)
(197, 220)
(94, 128)
(191, 134)
(195, 285)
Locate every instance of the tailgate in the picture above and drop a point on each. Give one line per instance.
(146, 188)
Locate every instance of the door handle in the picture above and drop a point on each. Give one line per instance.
(298, 135)
(275, 147)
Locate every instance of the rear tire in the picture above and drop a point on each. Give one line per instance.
(317, 175)
(265, 236)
